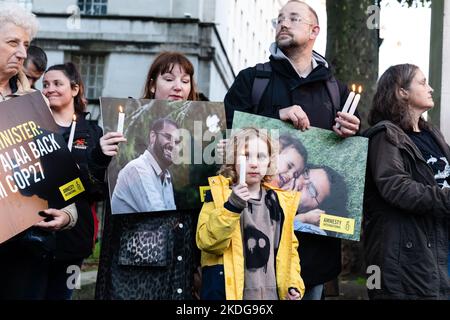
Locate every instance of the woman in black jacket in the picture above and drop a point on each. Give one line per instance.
(407, 197)
(65, 91)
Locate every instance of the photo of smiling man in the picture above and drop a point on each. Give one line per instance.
(145, 183)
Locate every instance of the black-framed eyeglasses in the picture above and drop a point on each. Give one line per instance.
(310, 187)
(169, 137)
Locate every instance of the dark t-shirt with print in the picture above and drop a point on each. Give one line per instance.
(434, 156)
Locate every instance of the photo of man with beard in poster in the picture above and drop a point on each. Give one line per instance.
(145, 183)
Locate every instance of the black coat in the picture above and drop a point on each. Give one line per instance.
(78, 242)
(286, 89)
(405, 217)
(320, 257)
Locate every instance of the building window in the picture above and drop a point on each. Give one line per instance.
(92, 69)
(93, 7)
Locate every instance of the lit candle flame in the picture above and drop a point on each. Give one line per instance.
(360, 89)
(74, 117)
(120, 109)
(354, 87)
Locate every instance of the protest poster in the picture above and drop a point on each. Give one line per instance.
(37, 169)
(329, 172)
(169, 153)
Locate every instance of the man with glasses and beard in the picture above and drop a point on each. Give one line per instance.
(323, 192)
(145, 184)
(298, 86)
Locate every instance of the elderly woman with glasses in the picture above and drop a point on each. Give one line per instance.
(23, 272)
(17, 28)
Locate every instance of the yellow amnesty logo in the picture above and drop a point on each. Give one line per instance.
(337, 224)
(71, 189)
(203, 193)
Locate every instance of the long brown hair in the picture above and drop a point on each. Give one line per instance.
(228, 170)
(71, 72)
(387, 103)
(164, 63)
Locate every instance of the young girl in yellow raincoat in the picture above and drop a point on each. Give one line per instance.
(245, 229)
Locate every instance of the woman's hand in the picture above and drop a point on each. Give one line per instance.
(311, 217)
(58, 219)
(110, 143)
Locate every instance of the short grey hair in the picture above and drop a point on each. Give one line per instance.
(11, 12)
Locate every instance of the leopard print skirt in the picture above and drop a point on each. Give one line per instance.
(148, 257)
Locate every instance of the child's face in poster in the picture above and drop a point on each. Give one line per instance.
(290, 164)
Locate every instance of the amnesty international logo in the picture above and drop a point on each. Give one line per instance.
(337, 224)
(72, 189)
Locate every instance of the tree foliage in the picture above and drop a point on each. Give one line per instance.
(414, 3)
(352, 47)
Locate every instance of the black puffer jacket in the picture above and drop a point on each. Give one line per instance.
(286, 89)
(320, 257)
(77, 242)
(405, 217)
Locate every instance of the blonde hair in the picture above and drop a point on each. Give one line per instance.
(228, 170)
(14, 13)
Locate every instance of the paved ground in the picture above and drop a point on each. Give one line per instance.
(87, 291)
(350, 288)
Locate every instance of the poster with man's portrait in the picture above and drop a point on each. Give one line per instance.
(168, 155)
(328, 171)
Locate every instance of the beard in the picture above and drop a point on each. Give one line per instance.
(289, 44)
(161, 152)
(286, 43)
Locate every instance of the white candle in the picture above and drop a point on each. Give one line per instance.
(242, 169)
(356, 101)
(72, 132)
(121, 120)
(348, 103)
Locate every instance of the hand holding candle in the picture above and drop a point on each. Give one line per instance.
(351, 103)
(72, 132)
(121, 120)
(242, 169)
(350, 98)
(356, 101)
